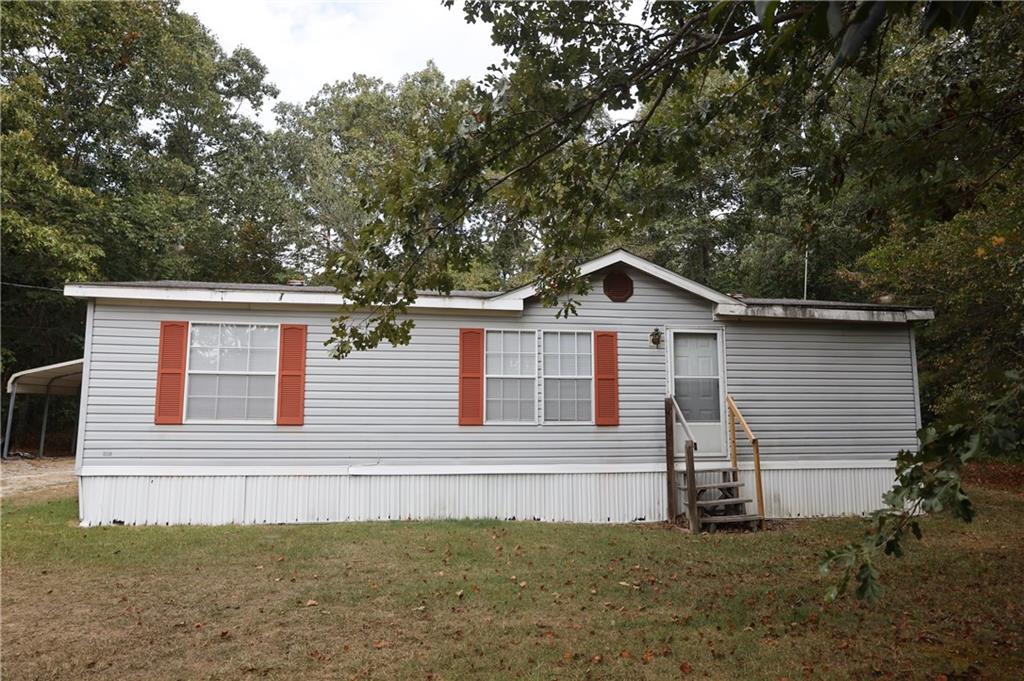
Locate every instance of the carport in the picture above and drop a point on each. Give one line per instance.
(62, 379)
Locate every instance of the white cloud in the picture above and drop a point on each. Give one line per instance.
(307, 44)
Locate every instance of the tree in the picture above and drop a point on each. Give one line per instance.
(540, 129)
(124, 157)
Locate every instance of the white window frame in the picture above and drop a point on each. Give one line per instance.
(188, 373)
(536, 370)
(542, 376)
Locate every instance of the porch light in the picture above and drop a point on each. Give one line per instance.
(656, 337)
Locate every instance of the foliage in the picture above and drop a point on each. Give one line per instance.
(541, 133)
(124, 157)
(970, 269)
(928, 481)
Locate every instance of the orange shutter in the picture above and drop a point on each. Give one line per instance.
(170, 373)
(606, 378)
(471, 377)
(291, 375)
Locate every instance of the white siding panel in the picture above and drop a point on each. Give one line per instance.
(256, 499)
(808, 493)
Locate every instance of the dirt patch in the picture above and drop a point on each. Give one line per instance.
(1008, 477)
(37, 479)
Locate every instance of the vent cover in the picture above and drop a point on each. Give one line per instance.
(618, 286)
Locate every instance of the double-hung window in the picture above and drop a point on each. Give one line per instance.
(232, 372)
(568, 376)
(510, 389)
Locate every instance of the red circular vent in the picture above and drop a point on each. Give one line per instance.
(618, 286)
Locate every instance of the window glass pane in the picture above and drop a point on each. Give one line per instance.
(493, 362)
(493, 341)
(509, 341)
(551, 365)
(232, 359)
(510, 363)
(262, 360)
(550, 343)
(696, 354)
(263, 337)
(566, 343)
(231, 408)
(261, 386)
(259, 408)
(232, 386)
(527, 342)
(234, 336)
(525, 410)
(698, 398)
(205, 335)
(493, 410)
(583, 410)
(529, 365)
(550, 409)
(509, 390)
(201, 407)
(202, 385)
(202, 359)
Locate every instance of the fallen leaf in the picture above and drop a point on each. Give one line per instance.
(310, 603)
(686, 668)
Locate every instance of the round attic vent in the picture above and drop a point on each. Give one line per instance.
(618, 286)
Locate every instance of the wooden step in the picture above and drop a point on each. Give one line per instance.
(721, 501)
(719, 519)
(718, 485)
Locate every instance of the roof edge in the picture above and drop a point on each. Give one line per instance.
(622, 256)
(770, 312)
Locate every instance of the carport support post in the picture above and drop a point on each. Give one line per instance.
(46, 413)
(10, 418)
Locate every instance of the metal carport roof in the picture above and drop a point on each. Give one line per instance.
(63, 378)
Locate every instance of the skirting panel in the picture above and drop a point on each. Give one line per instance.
(218, 500)
(812, 492)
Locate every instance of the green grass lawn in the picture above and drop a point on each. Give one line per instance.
(449, 600)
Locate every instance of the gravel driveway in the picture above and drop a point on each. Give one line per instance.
(25, 476)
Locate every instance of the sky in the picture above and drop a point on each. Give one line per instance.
(306, 44)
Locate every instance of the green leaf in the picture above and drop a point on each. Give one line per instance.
(765, 10)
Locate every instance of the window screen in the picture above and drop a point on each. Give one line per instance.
(232, 372)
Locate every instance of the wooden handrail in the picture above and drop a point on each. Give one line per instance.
(736, 415)
(672, 411)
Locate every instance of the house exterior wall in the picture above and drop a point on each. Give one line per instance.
(381, 438)
(395, 406)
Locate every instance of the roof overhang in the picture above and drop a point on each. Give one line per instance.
(623, 257)
(64, 378)
(736, 310)
(199, 294)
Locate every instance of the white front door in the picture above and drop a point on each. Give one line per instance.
(697, 387)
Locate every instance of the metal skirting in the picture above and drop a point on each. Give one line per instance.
(217, 500)
(558, 497)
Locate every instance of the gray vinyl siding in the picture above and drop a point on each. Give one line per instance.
(391, 406)
(810, 391)
(824, 391)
